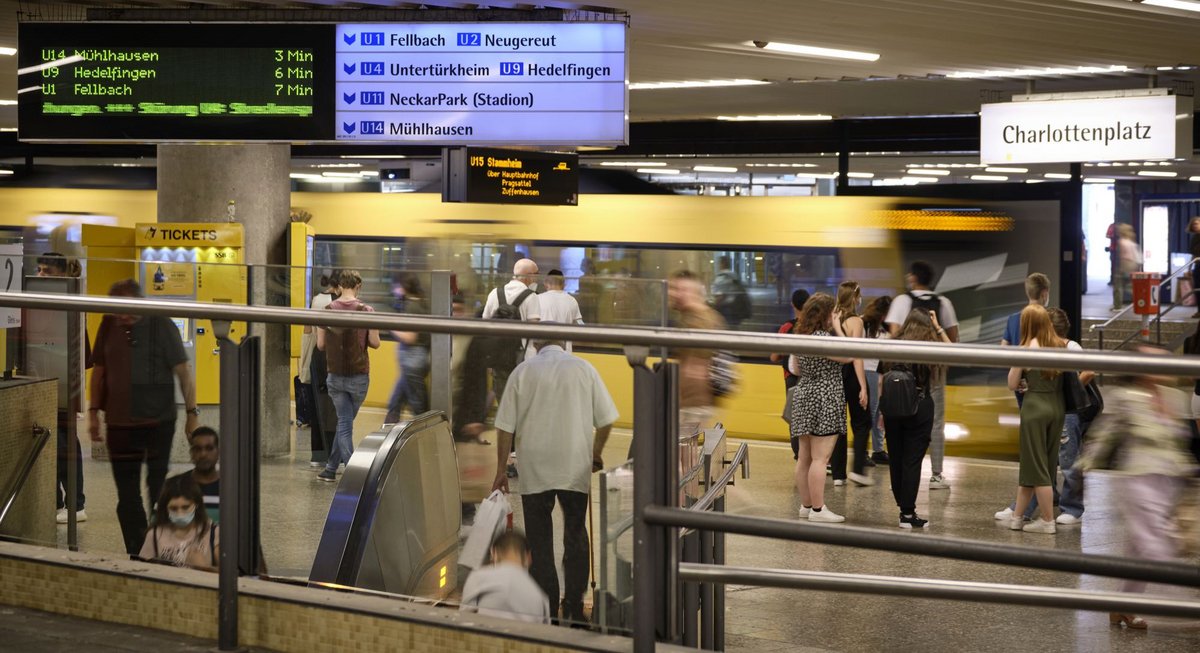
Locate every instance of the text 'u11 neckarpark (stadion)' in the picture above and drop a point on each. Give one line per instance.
(535, 83)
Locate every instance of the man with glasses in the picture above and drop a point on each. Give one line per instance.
(136, 362)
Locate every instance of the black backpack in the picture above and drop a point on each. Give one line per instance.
(504, 353)
(930, 302)
(898, 393)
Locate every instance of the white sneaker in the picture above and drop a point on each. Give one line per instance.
(61, 516)
(1040, 525)
(1007, 513)
(861, 479)
(938, 482)
(826, 515)
(1016, 523)
(1067, 519)
(805, 512)
(839, 483)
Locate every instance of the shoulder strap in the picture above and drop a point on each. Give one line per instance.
(500, 296)
(154, 538)
(212, 544)
(520, 298)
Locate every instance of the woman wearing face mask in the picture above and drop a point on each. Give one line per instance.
(182, 534)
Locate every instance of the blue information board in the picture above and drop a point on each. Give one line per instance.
(482, 83)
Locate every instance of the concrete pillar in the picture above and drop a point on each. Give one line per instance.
(195, 184)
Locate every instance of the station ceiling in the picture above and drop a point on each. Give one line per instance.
(931, 54)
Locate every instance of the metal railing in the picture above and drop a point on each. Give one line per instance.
(1157, 320)
(41, 435)
(656, 561)
(637, 340)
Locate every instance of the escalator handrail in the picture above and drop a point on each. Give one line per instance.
(41, 435)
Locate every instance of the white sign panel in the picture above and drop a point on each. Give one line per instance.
(11, 265)
(1069, 130)
(482, 83)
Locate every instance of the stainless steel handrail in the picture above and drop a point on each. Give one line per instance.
(41, 435)
(893, 350)
(739, 459)
(1123, 311)
(926, 588)
(1170, 573)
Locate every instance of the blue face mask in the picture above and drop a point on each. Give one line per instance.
(183, 520)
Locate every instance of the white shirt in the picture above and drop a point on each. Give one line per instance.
(530, 308)
(902, 306)
(559, 306)
(553, 404)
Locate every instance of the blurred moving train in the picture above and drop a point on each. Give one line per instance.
(616, 250)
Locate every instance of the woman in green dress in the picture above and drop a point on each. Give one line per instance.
(1042, 416)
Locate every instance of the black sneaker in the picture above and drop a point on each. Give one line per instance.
(880, 457)
(327, 476)
(912, 521)
(868, 462)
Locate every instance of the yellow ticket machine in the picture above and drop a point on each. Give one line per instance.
(195, 261)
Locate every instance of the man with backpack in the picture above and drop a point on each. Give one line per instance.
(920, 296)
(515, 300)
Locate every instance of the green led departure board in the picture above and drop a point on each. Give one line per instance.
(174, 82)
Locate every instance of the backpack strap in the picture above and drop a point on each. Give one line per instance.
(501, 296)
(520, 298)
(154, 538)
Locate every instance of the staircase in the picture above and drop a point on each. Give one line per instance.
(1174, 329)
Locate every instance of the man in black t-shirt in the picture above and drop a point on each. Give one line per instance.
(136, 362)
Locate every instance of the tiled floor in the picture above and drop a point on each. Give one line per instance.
(294, 505)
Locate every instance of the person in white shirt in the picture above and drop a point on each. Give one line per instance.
(560, 414)
(524, 275)
(556, 304)
(920, 282)
(505, 588)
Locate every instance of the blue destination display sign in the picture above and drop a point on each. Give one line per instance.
(481, 83)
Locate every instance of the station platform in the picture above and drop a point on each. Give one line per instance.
(294, 505)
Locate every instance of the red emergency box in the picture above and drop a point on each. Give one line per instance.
(1145, 292)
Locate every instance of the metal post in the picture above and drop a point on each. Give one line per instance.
(600, 598)
(706, 593)
(240, 397)
(690, 591)
(655, 482)
(439, 345)
(72, 424)
(719, 590)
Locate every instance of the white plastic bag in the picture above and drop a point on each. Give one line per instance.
(491, 519)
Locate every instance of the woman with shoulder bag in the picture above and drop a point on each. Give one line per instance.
(1043, 413)
(1142, 434)
(818, 414)
(908, 428)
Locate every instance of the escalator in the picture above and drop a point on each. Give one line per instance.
(394, 522)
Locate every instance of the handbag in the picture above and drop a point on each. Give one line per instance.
(491, 519)
(1095, 403)
(1075, 398)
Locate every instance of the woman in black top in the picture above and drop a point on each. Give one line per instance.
(908, 437)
